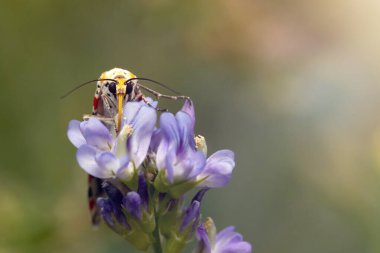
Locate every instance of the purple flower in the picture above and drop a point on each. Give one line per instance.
(113, 207)
(106, 210)
(191, 215)
(226, 241)
(115, 198)
(142, 119)
(144, 173)
(182, 159)
(176, 153)
(218, 169)
(142, 190)
(132, 203)
(104, 156)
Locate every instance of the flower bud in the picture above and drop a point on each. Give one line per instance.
(115, 198)
(142, 190)
(132, 203)
(189, 222)
(226, 240)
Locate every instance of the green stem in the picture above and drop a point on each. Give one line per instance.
(156, 235)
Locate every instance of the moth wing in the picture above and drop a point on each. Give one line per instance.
(95, 191)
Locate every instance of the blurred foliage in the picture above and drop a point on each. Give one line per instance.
(291, 86)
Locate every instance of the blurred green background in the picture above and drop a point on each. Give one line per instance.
(291, 86)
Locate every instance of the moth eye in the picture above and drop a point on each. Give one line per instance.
(129, 87)
(111, 87)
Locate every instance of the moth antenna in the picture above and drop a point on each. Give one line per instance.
(159, 95)
(153, 81)
(83, 84)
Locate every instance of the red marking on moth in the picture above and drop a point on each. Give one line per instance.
(139, 97)
(91, 203)
(95, 103)
(89, 179)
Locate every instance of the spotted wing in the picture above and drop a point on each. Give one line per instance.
(94, 191)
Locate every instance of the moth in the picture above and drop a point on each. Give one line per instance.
(115, 88)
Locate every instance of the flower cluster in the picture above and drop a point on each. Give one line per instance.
(145, 172)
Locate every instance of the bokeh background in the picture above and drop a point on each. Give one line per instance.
(291, 86)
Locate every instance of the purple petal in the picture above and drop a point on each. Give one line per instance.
(143, 126)
(186, 166)
(113, 193)
(199, 195)
(188, 107)
(143, 191)
(74, 133)
(126, 168)
(198, 198)
(190, 215)
(130, 111)
(225, 234)
(169, 164)
(218, 169)
(132, 203)
(204, 242)
(96, 134)
(186, 130)
(199, 162)
(242, 247)
(156, 140)
(169, 128)
(161, 154)
(116, 198)
(107, 161)
(229, 241)
(105, 208)
(86, 159)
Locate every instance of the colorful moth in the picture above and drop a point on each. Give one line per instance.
(114, 89)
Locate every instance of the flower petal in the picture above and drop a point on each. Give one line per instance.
(125, 171)
(156, 140)
(225, 234)
(187, 166)
(169, 128)
(130, 111)
(96, 134)
(218, 169)
(161, 154)
(199, 161)
(74, 133)
(86, 159)
(114, 194)
(186, 130)
(203, 240)
(188, 107)
(142, 190)
(107, 161)
(105, 208)
(241, 247)
(169, 162)
(116, 198)
(229, 241)
(132, 203)
(191, 215)
(143, 126)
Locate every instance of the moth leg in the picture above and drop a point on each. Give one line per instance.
(99, 117)
(110, 123)
(155, 108)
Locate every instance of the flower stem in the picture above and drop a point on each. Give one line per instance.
(156, 235)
